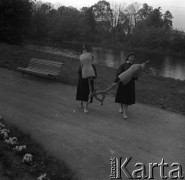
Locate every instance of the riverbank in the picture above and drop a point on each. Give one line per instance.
(118, 46)
(165, 93)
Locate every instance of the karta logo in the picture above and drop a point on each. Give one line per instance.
(119, 169)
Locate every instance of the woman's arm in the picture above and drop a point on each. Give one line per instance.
(118, 72)
(136, 76)
(94, 67)
(80, 71)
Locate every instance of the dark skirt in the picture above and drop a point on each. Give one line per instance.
(126, 93)
(83, 89)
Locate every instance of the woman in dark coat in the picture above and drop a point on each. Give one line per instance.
(125, 94)
(83, 90)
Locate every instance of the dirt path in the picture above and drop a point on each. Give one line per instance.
(86, 142)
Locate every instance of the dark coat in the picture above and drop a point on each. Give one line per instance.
(125, 93)
(83, 86)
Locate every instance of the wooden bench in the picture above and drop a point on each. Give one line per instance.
(43, 68)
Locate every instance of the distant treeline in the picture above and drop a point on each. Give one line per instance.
(132, 25)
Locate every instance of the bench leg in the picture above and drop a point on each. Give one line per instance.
(51, 77)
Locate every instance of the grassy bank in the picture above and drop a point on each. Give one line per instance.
(165, 93)
(112, 45)
(11, 161)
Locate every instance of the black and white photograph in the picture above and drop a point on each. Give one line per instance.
(92, 89)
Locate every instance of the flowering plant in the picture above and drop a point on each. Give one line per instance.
(11, 140)
(1, 125)
(19, 148)
(4, 132)
(27, 158)
(43, 177)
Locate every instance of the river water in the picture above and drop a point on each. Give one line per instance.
(161, 65)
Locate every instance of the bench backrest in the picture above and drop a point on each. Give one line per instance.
(50, 67)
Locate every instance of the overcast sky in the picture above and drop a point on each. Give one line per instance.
(176, 7)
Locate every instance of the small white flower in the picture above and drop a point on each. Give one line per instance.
(42, 177)
(27, 158)
(24, 147)
(2, 131)
(11, 140)
(5, 135)
(1, 125)
(20, 148)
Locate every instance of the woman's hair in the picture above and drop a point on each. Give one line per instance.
(130, 54)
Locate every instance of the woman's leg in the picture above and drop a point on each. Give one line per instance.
(125, 108)
(121, 108)
(91, 89)
(81, 104)
(86, 107)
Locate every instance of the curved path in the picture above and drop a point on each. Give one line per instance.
(47, 110)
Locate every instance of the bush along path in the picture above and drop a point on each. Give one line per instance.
(21, 158)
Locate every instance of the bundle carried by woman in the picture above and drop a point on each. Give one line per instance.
(124, 78)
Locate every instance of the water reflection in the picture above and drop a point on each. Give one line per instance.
(108, 57)
(173, 69)
(166, 66)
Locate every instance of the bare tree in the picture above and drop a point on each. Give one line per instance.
(132, 13)
(117, 8)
